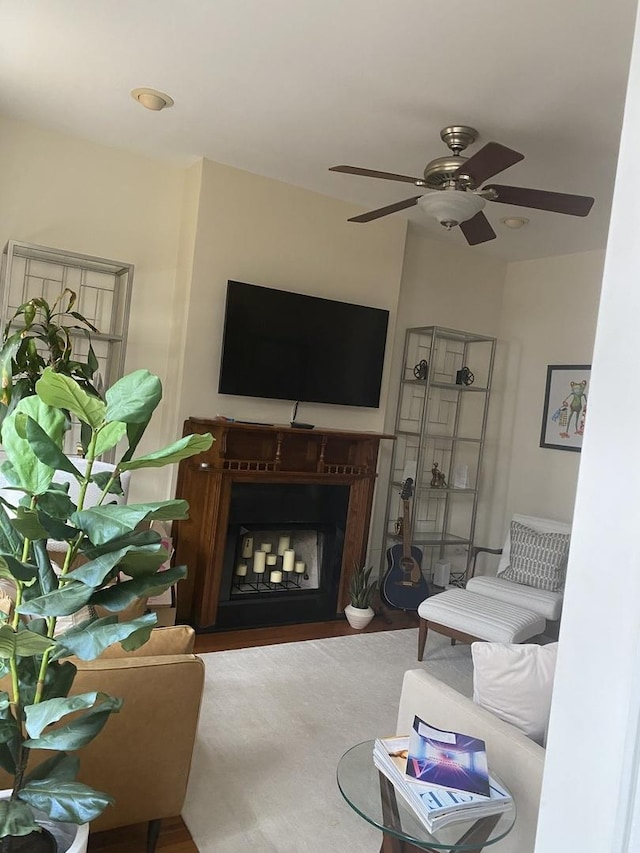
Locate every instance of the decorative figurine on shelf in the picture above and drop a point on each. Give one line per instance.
(438, 480)
(464, 376)
(421, 369)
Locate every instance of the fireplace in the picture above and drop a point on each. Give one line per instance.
(283, 554)
(259, 488)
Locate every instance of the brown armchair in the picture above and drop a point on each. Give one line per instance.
(142, 757)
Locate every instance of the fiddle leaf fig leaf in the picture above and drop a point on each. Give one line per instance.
(38, 717)
(71, 802)
(33, 474)
(188, 446)
(120, 595)
(80, 730)
(27, 523)
(104, 523)
(61, 391)
(109, 436)
(46, 449)
(59, 602)
(90, 641)
(133, 398)
(16, 818)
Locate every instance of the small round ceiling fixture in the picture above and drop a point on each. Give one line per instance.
(151, 99)
(514, 221)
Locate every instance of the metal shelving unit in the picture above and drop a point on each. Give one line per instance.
(104, 295)
(440, 421)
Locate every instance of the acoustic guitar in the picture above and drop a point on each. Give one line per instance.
(404, 585)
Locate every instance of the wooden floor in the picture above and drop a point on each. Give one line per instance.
(174, 836)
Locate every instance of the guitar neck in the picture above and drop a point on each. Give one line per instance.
(406, 540)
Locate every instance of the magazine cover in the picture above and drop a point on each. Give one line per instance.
(448, 759)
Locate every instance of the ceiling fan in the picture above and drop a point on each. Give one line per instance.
(460, 198)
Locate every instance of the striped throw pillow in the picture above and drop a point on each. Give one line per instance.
(537, 559)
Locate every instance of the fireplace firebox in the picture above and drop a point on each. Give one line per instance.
(283, 553)
(278, 519)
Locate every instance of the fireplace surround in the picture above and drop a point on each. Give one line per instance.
(255, 488)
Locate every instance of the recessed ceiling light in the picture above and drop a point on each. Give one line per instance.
(152, 99)
(514, 221)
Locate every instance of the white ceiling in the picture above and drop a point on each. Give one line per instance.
(287, 88)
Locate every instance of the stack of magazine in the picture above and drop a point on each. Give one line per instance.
(443, 776)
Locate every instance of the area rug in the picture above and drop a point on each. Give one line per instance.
(275, 721)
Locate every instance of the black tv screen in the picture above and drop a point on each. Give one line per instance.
(289, 346)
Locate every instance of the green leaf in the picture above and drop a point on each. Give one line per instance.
(79, 731)
(95, 571)
(143, 561)
(134, 434)
(138, 538)
(133, 398)
(33, 475)
(120, 595)
(188, 446)
(46, 575)
(24, 643)
(89, 642)
(59, 602)
(104, 523)
(25, 572)
(16, 818)
(47, 450)
(10, 540)
(28, 524)
(65, 393)
(56, 503)
(102, 478)
(109, 436)
(7, 353)
(71, 802)
(8, 730)
(60, 766)
(38, 717)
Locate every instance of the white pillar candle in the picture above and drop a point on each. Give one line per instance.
(259, 558)
(271, 559)
(288, 559)
(275, 577)
(300, 567)
(241, 570)
(266, 547)
(283, 544)
(247, 546)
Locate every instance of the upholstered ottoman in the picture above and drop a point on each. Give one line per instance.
(467, 616)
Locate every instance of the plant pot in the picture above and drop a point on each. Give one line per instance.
(70, 838)
(358, 617)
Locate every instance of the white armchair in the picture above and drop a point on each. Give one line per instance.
(546, 602)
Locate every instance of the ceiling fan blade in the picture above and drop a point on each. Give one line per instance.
(488, 161)
(573, 205)
(385, 211)
(371, 173)
(477, 229)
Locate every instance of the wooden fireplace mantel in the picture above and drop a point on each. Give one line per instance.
(264, 453)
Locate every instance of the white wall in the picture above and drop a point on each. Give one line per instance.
(548, 317)
(264, 232)
(66, 193)
(590, 794)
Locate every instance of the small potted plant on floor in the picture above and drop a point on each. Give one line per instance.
(120, 563)
(361, 589)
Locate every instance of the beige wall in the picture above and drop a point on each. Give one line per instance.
(442, 285)
(549, 317)
(63, 192)
(268, 233)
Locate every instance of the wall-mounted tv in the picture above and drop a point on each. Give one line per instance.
(289, 346)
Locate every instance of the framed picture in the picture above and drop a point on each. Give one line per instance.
(565, 406)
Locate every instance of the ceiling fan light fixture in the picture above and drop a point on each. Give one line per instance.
(451, 207)
(151, 99)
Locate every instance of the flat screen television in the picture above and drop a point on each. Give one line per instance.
(289, 346)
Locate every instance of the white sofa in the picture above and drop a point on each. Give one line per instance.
(514, 757)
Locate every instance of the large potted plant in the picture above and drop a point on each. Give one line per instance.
(111, 560)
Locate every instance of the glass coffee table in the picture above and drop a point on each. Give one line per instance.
(373, 797)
